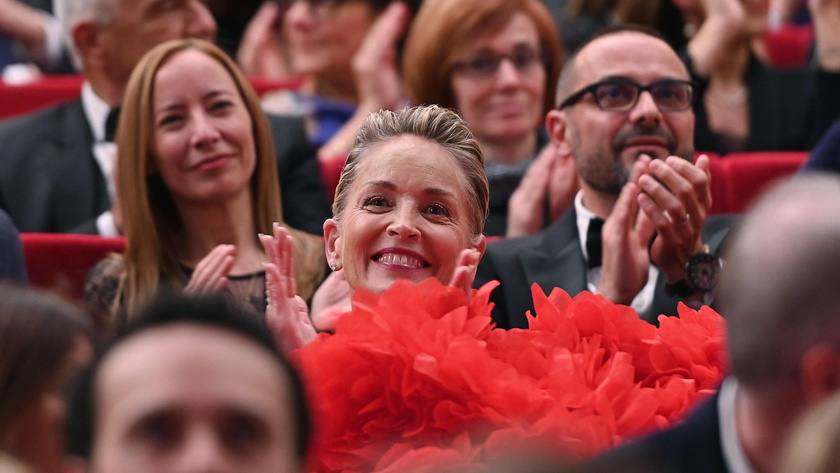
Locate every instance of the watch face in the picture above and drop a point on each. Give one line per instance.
(703, 271)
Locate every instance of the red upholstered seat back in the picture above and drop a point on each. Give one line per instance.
(59, 262)
(25, 98)
(747, 175)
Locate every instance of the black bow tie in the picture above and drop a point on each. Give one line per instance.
(593, 242)
(111, 124)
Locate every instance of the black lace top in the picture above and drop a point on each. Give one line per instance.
(103, 282)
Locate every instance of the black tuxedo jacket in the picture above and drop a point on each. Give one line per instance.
(693, 446)
(553, 258)
(12, 262)
(51, 182)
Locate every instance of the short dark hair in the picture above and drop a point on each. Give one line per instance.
(171, 308)
(569, 72)
(37, 333)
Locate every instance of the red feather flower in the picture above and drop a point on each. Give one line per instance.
(417, 378)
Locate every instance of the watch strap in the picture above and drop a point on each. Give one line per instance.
(679, 288)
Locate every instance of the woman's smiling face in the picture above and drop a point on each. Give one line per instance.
(203, 138)
(407, 216)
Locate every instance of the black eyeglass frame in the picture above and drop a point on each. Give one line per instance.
(542, 57)
(577, 96)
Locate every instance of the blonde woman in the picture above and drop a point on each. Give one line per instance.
(196, 184)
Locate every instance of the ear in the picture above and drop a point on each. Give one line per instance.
(332, 243)
(481, 246)
(556, 123)
(88, 39)
(819, 372)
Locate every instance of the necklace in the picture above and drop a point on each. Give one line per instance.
(732, 100)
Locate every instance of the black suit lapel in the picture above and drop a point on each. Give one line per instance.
(76, 172)
(557, 261)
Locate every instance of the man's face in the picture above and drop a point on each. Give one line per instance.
(141, 25)
(187, 397)
(605, 144)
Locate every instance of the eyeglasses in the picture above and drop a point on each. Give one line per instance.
(621, 95)
(485, 64)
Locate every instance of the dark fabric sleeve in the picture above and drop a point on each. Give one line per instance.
(12, 262)
(826, 154)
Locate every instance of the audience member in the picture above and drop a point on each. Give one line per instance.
(411, 204)
(12, 262)
(743, 103)
(780, 302)
(44, 344)
(497, 63)
(37, 32)
(190, 385)
(338, 47)
(625, 117)
(56, 172)
(196, 182)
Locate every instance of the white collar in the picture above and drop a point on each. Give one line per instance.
(733, 454)
(583, 216)
(96, 111)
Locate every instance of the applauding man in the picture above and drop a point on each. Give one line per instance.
(638, 232)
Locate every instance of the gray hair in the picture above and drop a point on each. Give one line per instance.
(436, 124)
(72, 12)
(779, 292)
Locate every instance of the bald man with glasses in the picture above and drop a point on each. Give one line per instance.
(638, 231)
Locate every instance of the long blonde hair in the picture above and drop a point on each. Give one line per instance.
(152, 225)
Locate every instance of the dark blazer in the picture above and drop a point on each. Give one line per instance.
(51, 182)
(553, 258)
(12, 263)
(693, 446)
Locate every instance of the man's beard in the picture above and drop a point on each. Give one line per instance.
(606, 179)
(609, 173)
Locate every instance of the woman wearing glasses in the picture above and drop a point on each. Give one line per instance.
(497, 63)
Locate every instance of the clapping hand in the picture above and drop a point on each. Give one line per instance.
(261, 52)
(676, 197)
(552, 177)
(464, 274)
(286, 314)
(625, 236)
(210, 274)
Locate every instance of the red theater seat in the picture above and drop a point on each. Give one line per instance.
(59, 262)
(25, 98)
(747, 175)
(20, 99)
